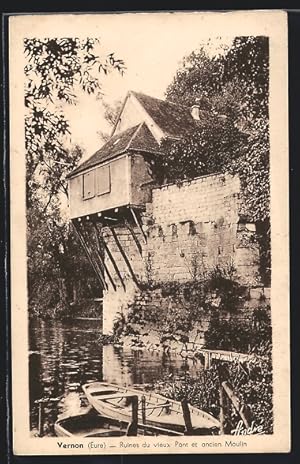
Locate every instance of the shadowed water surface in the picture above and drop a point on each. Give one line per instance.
(65, 355)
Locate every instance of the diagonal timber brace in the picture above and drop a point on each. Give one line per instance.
(124, 256)
(136, 240)
(93, 253)
(138, 223)
(89, 254)
(109, 254)
(101, 259)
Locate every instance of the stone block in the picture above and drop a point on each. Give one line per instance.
(256, 293)
(251, 227)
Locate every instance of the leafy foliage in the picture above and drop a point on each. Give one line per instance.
(240, 336)
(111, 113)
(56, 70)
(55, 264)
(232, 90)
(189, 301)
(234, 81)
(209, 149)
(252, 382)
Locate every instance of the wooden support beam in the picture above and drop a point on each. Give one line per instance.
(143, 404)
(41, 419)
(132, 428)
(102, 259)
(136, 220)
(93, 252)
(89, 256)
(124, 256)
(136, 240)
(187, 417)
(240, 408)
(222, 410)
(108, 218)
(207, 360)
(114, 264)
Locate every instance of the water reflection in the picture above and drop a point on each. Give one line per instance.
(65, 355)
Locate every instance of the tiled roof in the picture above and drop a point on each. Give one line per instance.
(137, 138)
(143, 140)
(174, 120)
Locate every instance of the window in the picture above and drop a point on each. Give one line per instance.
(103, 180)
(88, 185)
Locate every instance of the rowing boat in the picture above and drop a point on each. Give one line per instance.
(91, 424)
(153, 409)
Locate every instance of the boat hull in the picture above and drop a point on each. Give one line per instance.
(91, 424)
(159, 411)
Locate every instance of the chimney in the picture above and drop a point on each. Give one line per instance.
(195, 112)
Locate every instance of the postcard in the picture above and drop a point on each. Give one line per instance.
(149, 233)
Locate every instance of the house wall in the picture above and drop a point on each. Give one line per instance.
(133, 113)
(131, 116)
(141, 180)
(190, 229)
(119, 190)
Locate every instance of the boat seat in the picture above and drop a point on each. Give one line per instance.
(103, 393)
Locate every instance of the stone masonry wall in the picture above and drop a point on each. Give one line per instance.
(196, 227)
(207, 199)
(190, 228)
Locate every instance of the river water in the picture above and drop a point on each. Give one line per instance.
(65, 355)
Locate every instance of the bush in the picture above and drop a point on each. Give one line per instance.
(252, 383)
(185, 302)
(253, 335)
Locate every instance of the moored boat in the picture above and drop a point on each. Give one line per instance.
(153, 409)
(92, 424)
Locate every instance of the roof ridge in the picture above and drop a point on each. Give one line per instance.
(159, 99)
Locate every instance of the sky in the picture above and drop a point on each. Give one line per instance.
(152, 52)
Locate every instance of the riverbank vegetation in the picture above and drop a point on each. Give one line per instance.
(241, 331)
(57, 70)
(176, 308)
(251, 380)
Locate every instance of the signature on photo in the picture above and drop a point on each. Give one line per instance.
(253, 429)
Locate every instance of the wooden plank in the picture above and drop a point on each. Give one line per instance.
(143, 409)
(102, 260)
(132, 428)
(41, 419)
(187, 417)
(124, 256)
(222, 410)
(138, 223)
(81, 240)
(109, 254)
(240, 408)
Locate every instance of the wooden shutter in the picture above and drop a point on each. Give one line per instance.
(103, 180)
(89, 185)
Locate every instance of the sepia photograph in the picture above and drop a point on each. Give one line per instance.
(148, 228)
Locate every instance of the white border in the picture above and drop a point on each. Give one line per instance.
(270, 23)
